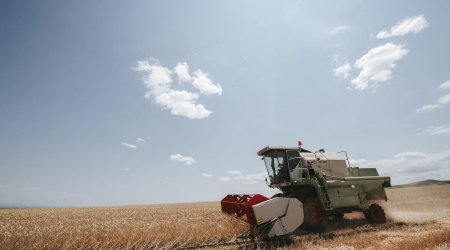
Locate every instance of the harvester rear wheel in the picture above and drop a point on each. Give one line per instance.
(315, 218)
(375, 214)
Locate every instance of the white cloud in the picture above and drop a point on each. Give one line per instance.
(183, 159)
(409, 25)
(206, 175)
(140, 141)
(225, 179)
(437, 130)
(414, 166)
(182, 71)
(428, 107)
(202, 82)
(158, 80)
(445, 85)
(343, 71)
(339, 29)
(444, 99)
(440, 102)
(128, 145)
(183, 103)
(234, 172)
(376, 66)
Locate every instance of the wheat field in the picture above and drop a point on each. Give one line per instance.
(418, 218)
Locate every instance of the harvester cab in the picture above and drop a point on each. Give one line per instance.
(315, 187)
(285, 165)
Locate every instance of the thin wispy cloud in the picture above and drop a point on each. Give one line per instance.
(339, 29)
(252, 178)
(137, 143)
(445, 85)
(437, 131)
(128, 145)
(376, 66)
(428, 107)
(140, 141)
(182, 159)
(244, 178)
(234, 172)
(409, 25)
(413, 166)
(158, 81)
(440, 102)
(444, 99)
(343, 71)
(206, 175)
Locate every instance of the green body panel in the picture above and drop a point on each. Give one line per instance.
(339, 188)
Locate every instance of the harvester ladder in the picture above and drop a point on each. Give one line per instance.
(324, 194)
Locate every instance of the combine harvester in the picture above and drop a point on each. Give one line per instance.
(315, 186)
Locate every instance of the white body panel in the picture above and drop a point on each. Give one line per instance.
(286, 215)
(330, 164)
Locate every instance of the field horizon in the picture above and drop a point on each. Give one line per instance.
(426, 182)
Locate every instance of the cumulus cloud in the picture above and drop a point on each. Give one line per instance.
(414, 166)
(206, 175)
(158, 81)
(343, 71)
(183, 103)
(437, 130)
(339, 29)
(413, 24)
(202, 82)
(183, 159)
(445, 85)
(234, 172)
(182, 71)
(376, 65)
(128, 145)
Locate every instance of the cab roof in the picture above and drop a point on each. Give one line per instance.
(271, 148)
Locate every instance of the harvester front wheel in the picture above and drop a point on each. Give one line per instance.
(375, 214)
(315, 218)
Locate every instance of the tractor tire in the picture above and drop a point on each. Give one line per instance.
(375, 214)
(315, 217)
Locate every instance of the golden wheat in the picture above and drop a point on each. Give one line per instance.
(419, 218)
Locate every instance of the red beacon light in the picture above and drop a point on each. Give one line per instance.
(299, 144)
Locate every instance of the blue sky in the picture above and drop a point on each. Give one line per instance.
(138, 102)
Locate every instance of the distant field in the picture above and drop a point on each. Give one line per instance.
(419, 217)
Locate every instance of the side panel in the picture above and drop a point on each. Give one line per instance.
(364, 171)
(345, 196)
